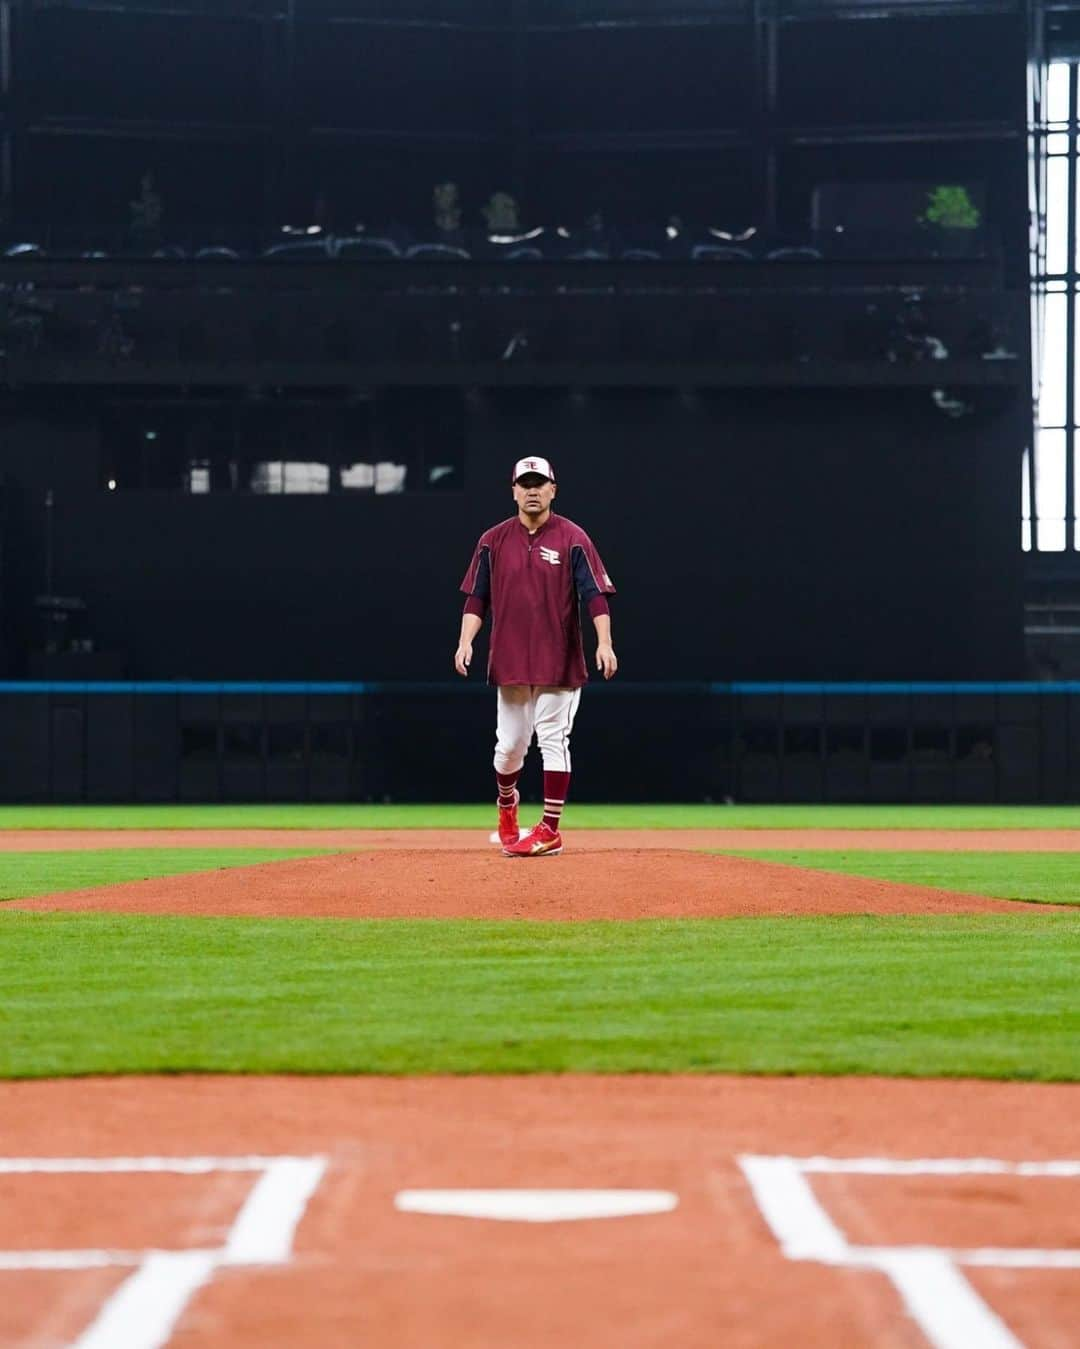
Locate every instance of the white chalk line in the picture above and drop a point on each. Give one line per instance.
(263, 1231)
(937, 1296)
(945, 1306)
(83, 1258)
(992, 1257)
(144, 1310)
(790, 1207)
(184, 1166)
(1025, 1257)
(931, 1166)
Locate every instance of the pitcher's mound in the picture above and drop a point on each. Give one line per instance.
(470, 883)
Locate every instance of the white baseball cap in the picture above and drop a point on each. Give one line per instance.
(534, 465)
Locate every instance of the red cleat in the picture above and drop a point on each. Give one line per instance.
(543, 841)
(509, 832)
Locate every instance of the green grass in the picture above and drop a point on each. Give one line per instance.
(965, 996)
(583, 816)
(46, 873)
(1043, 878)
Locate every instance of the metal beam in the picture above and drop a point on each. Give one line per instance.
(1071, 329)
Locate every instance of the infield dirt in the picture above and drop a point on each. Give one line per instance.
(710, 1273)
(590, 882)
(579, 840)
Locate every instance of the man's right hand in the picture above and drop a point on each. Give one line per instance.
(463, 658)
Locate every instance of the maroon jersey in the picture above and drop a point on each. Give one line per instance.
(535, 585)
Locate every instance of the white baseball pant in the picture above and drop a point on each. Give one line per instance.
(527, 708)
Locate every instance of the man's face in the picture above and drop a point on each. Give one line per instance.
(534, 493)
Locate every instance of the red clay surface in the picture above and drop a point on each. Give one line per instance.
(41, 1309)
(481, 883)
(708, 1274)
(578, 840)
(120, 1211)
(957, 1211)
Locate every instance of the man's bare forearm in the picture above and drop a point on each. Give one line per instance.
(470, 626)
(605, 652)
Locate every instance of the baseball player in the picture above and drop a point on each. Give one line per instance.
(533, 572)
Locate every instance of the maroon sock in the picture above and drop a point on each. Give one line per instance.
(507, 782)
(556, 785)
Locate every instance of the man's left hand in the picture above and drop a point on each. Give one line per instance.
(605, 659)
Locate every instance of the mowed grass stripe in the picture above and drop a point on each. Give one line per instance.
(961, 996)
(23, 875)
(579, 816)
(1041, 878)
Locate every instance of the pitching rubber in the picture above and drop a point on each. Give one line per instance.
(493, 837)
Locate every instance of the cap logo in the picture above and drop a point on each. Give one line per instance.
(534, 464)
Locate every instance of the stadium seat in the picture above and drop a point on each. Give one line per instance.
(720, 253)
(802, 253)
(437, 253)
(299, 250)
(514, 248)
(361, 247)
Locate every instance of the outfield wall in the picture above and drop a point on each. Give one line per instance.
(197, 742)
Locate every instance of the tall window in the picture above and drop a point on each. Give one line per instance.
(1050, 480)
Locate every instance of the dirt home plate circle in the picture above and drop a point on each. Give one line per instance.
(236, 1213)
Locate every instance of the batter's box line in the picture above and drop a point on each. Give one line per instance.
(934, 1290)
(143, 1311)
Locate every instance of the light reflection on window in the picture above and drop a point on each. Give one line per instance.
(1057, 215)
(1057, 93)
(400, 441)
(1050, 489)
(383, 478)
(290, 477)
(1025, 501)
(1052, 389)
(198, 476)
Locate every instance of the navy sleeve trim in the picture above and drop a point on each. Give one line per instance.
(481, 586)
(584, 580)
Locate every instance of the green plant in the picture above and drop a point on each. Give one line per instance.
(951, 208)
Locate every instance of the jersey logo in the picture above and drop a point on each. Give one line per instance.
(550, 555)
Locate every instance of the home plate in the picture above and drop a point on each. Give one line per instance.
(536, 1206)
